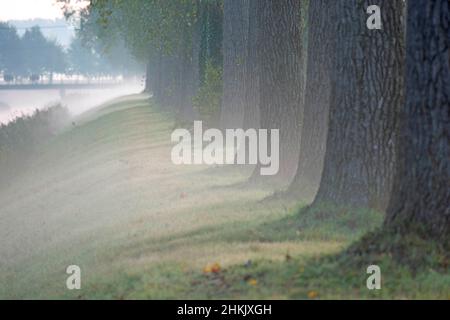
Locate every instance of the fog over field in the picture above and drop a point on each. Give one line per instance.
(225, 150)
(15, 103)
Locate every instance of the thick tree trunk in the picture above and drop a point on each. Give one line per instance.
(149, 77)
(186, 87)
(321, 49)
(196, 48)
(366, 96)
(421, 190)
(158, 88)
(215, 32)
(252, 71)
(152, 75)
(279, 50)
(234, 52)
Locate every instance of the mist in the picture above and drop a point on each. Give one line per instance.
(17, 103)
(222, 149)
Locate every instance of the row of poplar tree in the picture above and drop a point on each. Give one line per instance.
(363, 114)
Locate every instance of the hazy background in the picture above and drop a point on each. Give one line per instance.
(39, 47)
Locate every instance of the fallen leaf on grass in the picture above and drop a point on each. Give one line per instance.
(212, 268)
(252, 282)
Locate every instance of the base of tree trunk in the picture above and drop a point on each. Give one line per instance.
(304, 193)
(413, 250)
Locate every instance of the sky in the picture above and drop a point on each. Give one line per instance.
(29, 9)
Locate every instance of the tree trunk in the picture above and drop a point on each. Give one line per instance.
(321, 49)
(366, 96)
(421, 190)
(148, 77)
(279, 50)
(234, 52)
(252, 70)
(151, 77)
(158, 78)
(186, 87)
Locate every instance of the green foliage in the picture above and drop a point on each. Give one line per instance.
(40, 54)
(174, 39)
(83, 60)
(90, 58)
(211, 23)
(32, 54)
(208, 99)
(21, 137)
(11, 55)
(148, 27)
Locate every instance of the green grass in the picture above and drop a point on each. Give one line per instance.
(23, 136)
(317, 271)
(105, 196)
(310, 274)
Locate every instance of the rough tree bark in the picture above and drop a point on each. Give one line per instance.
(279, 50)
(158, 78)
(235, 23)
(167, 80)
(149, 77)
(152, 73)
(366, 97)
(321, 24)
(251, 106)
(187, 76)
(421, 190)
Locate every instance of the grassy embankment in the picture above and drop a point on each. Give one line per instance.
(104, 195)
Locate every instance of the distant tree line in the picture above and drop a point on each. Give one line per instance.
(32, 55)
